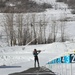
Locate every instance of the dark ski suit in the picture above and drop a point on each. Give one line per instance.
(35, 53)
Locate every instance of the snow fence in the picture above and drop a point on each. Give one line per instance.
(63, 64)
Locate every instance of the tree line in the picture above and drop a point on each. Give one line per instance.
(22, 28)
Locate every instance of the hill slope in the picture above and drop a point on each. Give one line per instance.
(17, 6)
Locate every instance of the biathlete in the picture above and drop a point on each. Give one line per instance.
(35, 53)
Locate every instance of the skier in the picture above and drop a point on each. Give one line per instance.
(35, 53)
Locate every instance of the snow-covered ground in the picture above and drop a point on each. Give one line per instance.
(22, 55)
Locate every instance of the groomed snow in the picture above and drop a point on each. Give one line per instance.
(22, 55)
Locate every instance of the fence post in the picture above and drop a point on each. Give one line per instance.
(71, 68)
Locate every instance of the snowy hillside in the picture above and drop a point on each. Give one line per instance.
(58, 13)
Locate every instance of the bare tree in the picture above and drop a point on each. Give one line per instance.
(9, 27)
(6, 31)
(50, 34)
(40, 32)
(54, 30)
(44, 28)
(62, 28)
(34, 28)
(19, 20)
(27, 29)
